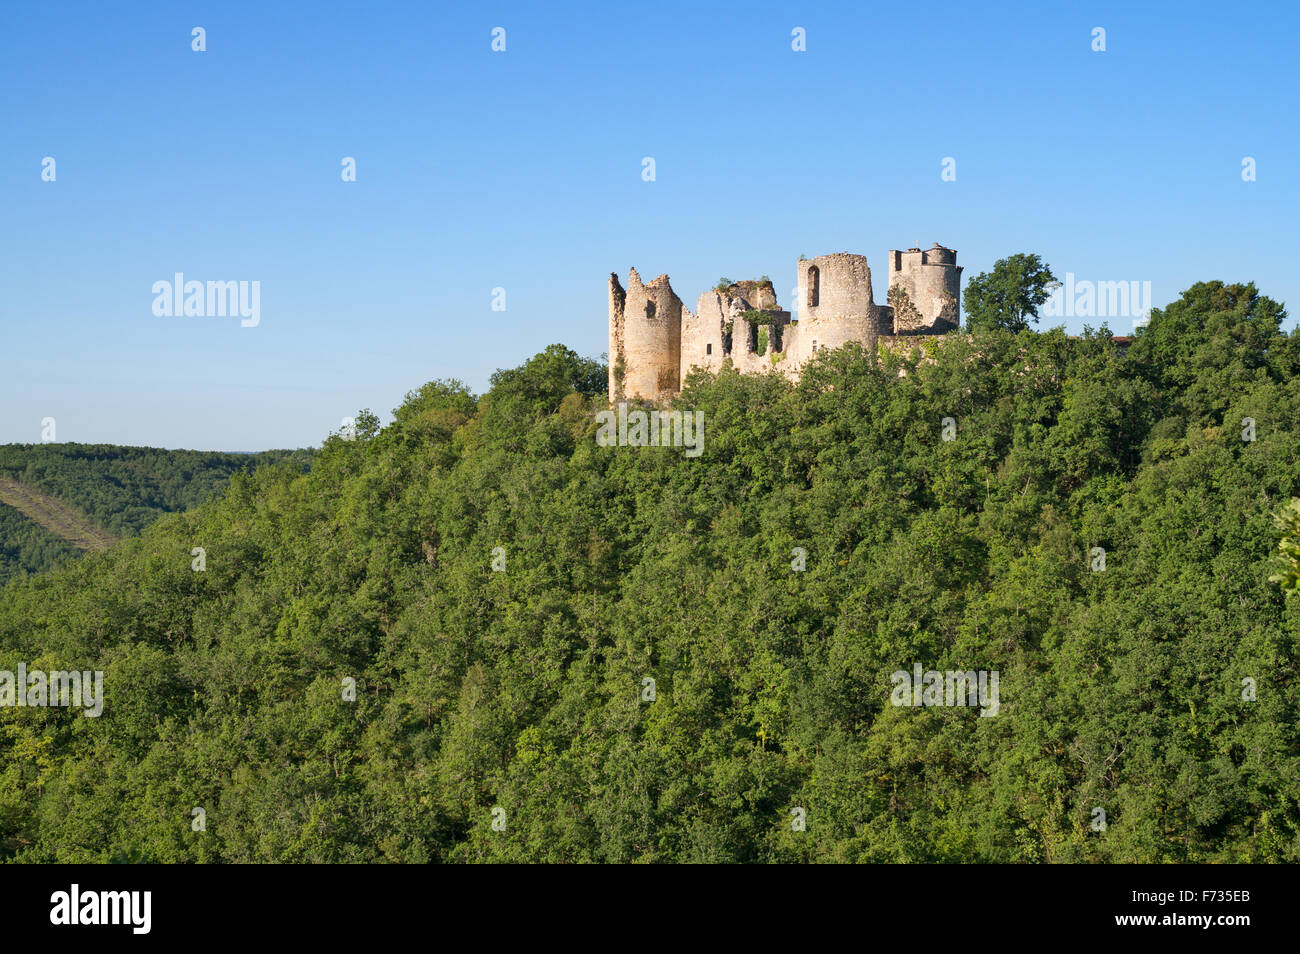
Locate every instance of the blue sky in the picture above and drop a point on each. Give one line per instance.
(523, 170)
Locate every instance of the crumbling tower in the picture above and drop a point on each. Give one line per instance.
(932, 283)
(835, 306)
(645, 339)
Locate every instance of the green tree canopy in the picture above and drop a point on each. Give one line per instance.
(1009, 296)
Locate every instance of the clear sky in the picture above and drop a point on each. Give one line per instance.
(522, 170)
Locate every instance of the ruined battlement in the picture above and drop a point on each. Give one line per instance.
(654, 340)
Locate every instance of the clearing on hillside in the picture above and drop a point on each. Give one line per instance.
(55, 516)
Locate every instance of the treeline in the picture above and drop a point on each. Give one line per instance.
(120, 489)
(565, 652)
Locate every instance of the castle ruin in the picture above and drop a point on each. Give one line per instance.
(654, 340)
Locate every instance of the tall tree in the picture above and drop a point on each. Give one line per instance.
(1009, 296)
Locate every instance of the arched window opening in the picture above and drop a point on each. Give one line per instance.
(814, 286)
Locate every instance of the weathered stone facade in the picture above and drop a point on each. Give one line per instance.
(654, 340)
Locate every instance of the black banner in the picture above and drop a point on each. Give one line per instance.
(144, 904)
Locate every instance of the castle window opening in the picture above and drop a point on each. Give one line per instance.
(649, 309)
(814, 286)
(708, 348)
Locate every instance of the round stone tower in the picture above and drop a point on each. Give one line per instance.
(645, 329)
(930, 283)
(835, 306)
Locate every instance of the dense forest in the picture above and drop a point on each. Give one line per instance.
(572, 652)
(119, 489)
(27, 547)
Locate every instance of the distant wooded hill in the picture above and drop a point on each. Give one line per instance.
(58, 501)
